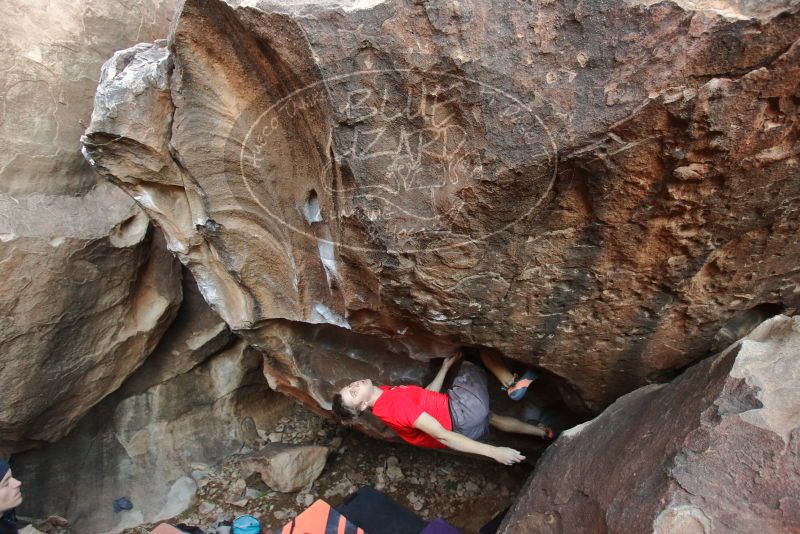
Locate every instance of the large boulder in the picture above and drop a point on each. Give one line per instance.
(84, 300)
(595, 188)
(200, 397)
(88, 286)
(716, 450)
(286, 468)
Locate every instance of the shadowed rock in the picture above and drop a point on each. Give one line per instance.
(200, 397)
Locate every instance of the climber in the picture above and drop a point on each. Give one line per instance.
(10, 498)
(458, 419)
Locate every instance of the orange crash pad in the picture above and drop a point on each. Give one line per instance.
(164, 528)
(320, 518)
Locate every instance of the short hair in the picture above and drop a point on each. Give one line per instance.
(341, 410)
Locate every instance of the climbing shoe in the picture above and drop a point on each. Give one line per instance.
(519, 386)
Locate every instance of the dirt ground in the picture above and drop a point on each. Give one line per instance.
(467, 492)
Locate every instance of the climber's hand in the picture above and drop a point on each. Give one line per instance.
(507, 456)
(451, 360)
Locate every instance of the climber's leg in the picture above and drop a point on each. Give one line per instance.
(516, 387)
(511, 424)
(495, 365)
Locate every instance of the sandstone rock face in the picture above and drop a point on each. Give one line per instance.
(716, 450)
(80, 312)
(200, 396)
(88, 288)
(196, 334)
(287, 468)
(594, 188)
(53, 53)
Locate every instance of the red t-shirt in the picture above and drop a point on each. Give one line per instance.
(400, 406)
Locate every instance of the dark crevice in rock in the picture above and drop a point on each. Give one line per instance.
(743, 322)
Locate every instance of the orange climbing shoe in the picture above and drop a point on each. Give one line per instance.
(519, 386)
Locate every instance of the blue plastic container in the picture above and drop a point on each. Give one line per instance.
(246, 524)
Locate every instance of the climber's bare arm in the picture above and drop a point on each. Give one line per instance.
(436, 385)
(457, 442)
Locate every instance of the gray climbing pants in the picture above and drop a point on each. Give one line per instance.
(469, 402)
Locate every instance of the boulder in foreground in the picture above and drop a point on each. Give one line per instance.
(716, 450)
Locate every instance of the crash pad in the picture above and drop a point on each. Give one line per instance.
(378, 514)
(320, 518)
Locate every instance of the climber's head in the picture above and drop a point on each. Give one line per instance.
(10, 494)
(353, 399)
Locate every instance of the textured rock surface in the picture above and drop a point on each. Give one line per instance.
(53, 53)
(309, 361)
(80, 312)
(716, 450)
(87, 288)
(595, 188)
(196, 334)
(200, 397)
(287, 468)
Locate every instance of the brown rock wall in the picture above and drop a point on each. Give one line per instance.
(715, 450)
(88, 287)
(592, 188)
